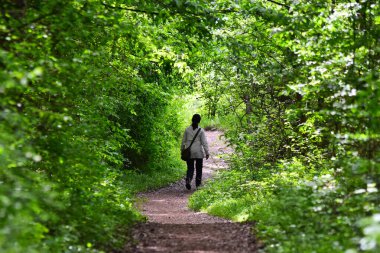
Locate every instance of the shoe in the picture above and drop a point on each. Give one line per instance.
(188, 186)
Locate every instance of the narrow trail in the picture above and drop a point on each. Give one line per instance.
(173, 227)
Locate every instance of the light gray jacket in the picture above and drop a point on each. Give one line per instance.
(200, 145)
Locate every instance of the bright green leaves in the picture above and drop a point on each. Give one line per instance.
(298, 83)
(86, 94)
(85, 103)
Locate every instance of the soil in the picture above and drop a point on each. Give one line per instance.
(173, 227)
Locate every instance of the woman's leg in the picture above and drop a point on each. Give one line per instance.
(190, 173)
(198, 177)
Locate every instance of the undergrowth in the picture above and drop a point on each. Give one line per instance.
(293, 212)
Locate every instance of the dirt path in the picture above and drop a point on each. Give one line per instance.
(173, 227)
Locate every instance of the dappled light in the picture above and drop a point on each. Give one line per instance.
(95, 97)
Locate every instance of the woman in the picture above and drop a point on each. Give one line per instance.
(198, 150)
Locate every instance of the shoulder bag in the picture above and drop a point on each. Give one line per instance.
(186, 153)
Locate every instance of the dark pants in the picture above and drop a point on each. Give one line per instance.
(190, 170)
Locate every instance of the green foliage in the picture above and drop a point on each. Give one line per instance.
(195, 103)
(87, 119)
(301, 100)
(91, 112)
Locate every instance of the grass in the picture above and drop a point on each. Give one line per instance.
(155, 178)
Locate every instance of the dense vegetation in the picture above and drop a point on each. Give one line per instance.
(87, 119)
(91, 113)
(297, 87)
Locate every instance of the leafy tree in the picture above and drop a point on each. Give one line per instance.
(89, 107)
(305, 95)
(86, 106)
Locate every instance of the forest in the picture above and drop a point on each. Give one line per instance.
(94, 96)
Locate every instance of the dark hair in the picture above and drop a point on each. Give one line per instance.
(196, 119)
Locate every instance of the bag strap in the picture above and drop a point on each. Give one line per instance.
(194, 137)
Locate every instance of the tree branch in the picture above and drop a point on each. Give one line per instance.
(37, 19)
(171, 12)
(129, 9)
(281, 4)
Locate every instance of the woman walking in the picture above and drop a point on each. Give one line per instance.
(199, 150)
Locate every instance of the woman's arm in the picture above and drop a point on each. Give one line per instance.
(184, 138)
(204, 143)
